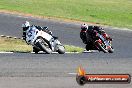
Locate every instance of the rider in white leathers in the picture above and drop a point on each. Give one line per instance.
(26, 26)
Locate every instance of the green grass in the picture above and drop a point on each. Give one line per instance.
(108, 12)
(70, 48)
(14, 45)
(18, 45)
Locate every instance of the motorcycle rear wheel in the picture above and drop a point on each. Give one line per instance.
(44, 46)
(35, 50)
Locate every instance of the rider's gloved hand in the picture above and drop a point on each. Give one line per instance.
(109, 38)
(55, 37)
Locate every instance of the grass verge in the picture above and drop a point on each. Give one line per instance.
(18, 45)
(108, 12)
(14, 45)
(70, 48)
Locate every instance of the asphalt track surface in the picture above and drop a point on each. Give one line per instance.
(27, 70)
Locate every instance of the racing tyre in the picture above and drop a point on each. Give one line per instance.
(44, 46)
(87, 47)
(101, 47)
(61, 49)
(35, 50)
(111, 50)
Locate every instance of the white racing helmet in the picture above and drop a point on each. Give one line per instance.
(26, 24)
(84, 26)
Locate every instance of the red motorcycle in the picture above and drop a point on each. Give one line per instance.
(100, 42)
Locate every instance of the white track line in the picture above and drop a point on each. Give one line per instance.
(57, 52)
(42, 52)
(90, 51)
(6, 52)
(72, 73)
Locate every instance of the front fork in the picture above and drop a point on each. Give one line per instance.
(98, 41)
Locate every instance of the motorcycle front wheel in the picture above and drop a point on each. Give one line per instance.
(101, 47)
(61, 49)
(111, 50)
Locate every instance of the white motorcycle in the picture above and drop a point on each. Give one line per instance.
(42, 41)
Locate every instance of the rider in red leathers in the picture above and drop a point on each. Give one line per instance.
(88, 34)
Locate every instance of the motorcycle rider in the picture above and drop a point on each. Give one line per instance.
(88, 33)
(26, 26)
(83, 33)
